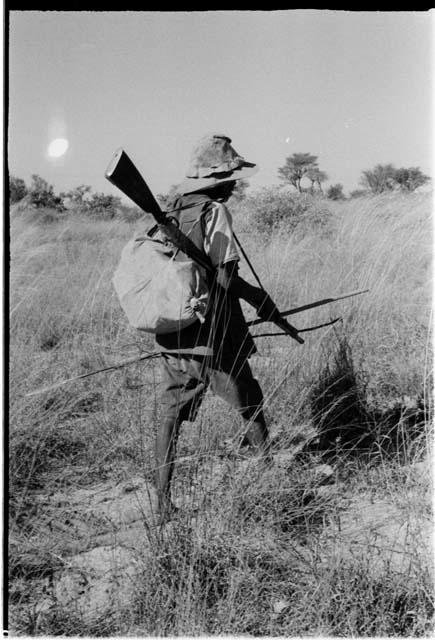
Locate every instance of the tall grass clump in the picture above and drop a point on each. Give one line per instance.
(338, 402)
(64, 321)
(383, 244)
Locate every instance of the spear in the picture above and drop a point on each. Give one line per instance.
(311, 305)
(196, 351)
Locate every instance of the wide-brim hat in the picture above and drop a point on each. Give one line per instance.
(213, 162)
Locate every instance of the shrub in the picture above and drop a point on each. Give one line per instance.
(335, 192)
(103, 206)
(17, 189)
(77, 197)
(358, 193)
(410, 179)
(379, 179)
(42, 195)
(100, 205)
(271, 208)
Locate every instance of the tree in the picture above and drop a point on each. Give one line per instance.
(316, 176)
(296, 167)
(381, 178)
(410, 179)
(17, 189)
(335, 192)
(42, 194)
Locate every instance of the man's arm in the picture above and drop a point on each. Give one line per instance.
(220, 246)
(227, 277)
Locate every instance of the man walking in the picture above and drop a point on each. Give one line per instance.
(214, 169)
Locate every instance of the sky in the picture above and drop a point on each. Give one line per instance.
(353, 88)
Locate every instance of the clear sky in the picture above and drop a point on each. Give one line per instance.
(354, 88)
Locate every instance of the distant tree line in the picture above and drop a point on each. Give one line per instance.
(297, 167)
(40, 195)
(377, 180)
(387, 178)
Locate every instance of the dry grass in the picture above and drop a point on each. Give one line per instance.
(268, 556)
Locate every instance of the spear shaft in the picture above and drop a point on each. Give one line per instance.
(311, 305)
(196, 351)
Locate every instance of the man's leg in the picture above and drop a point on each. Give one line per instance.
(241, 390)
(166, 442)
(257, 434)
(181, 397)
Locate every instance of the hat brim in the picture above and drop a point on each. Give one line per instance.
(192, 185)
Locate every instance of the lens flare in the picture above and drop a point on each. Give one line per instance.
(58, 147)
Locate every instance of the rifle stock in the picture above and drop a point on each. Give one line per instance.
(122, 173)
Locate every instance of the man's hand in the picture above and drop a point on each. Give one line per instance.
(228, 279)
(267, 309)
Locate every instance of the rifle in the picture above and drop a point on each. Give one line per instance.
(122, 173)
